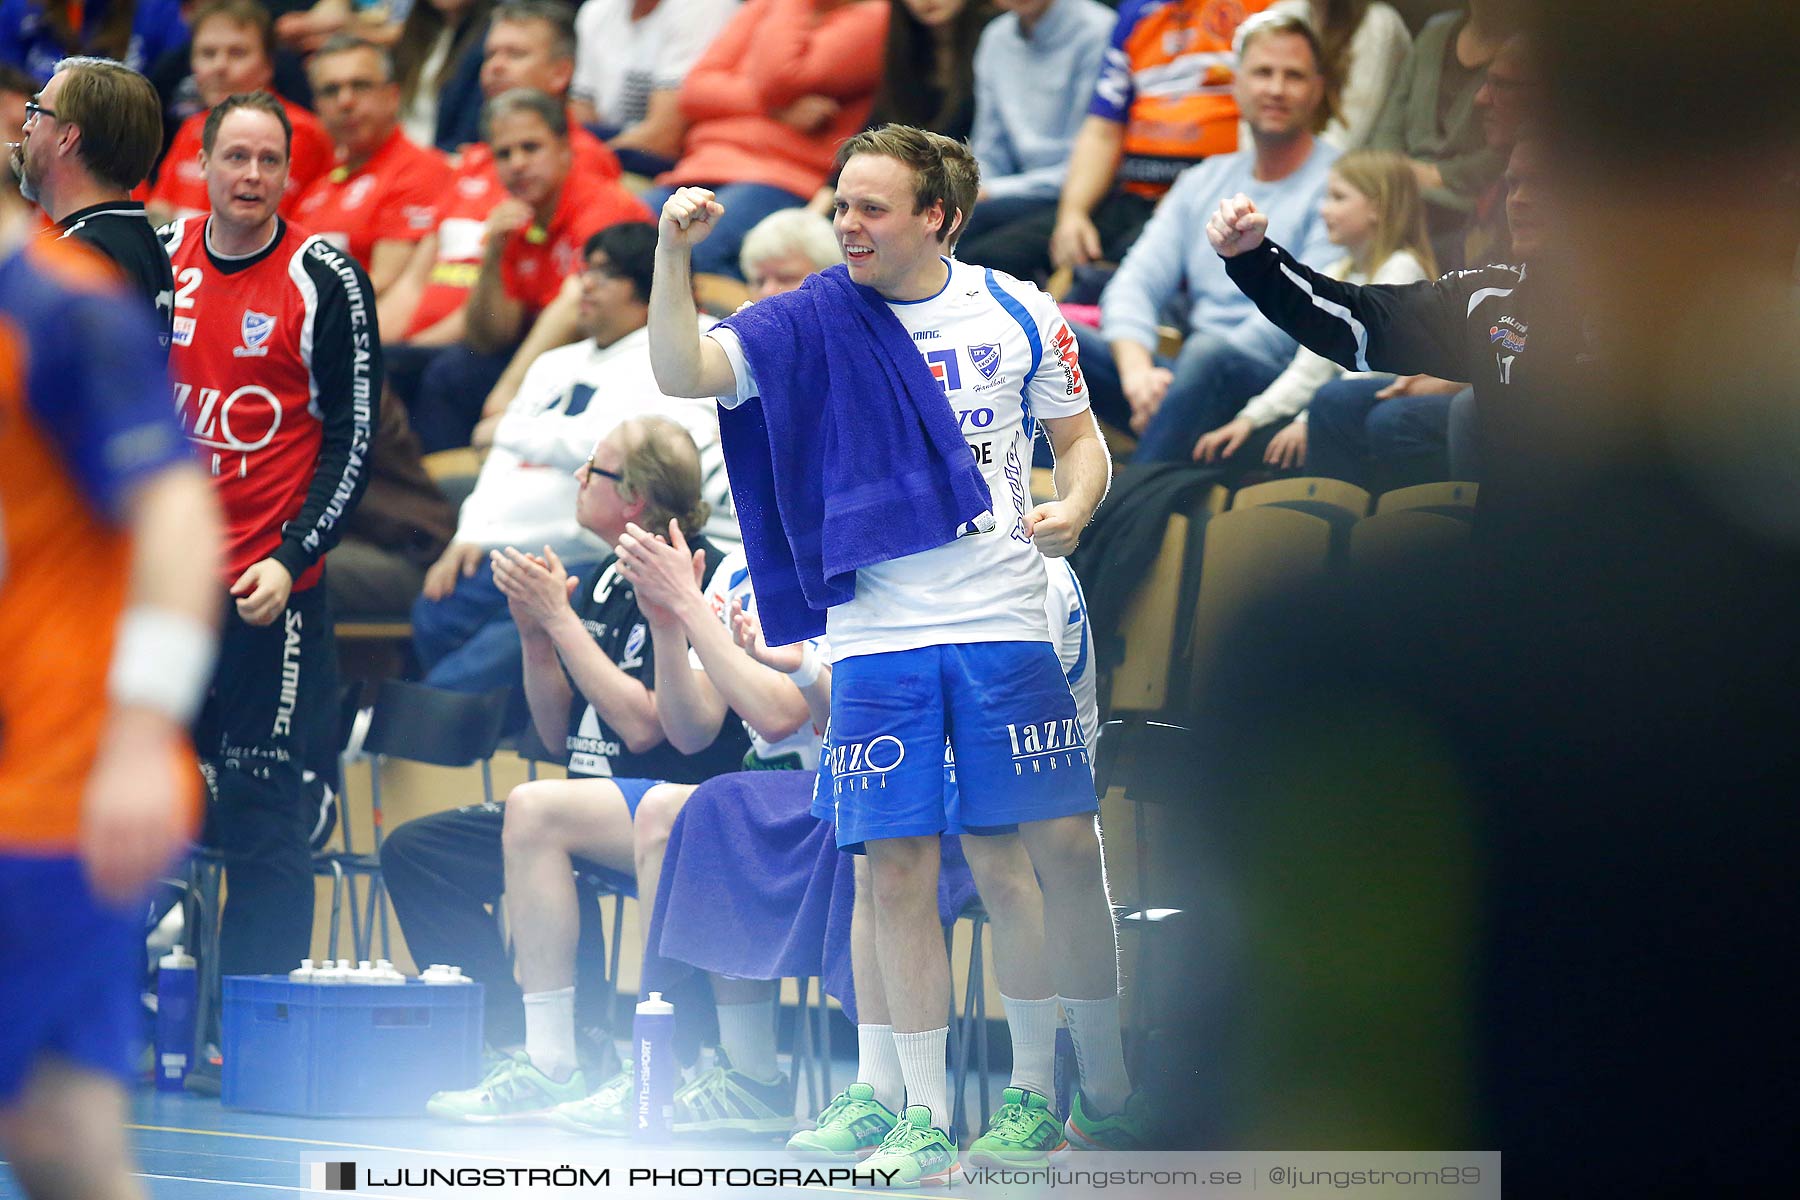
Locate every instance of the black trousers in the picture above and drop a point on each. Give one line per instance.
(275, 685)
(443, 873)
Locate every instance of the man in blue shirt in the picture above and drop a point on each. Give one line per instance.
(1231, 351)
(1023, 135)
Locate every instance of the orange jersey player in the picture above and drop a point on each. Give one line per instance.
(108, 549)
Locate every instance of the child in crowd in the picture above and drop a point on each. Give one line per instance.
(1372, 208)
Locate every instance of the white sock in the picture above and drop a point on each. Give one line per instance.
(747, 1036)
(878, 1065)
(550, 1032)
(1032, 1024)
(927, 1077)
(1099, 1054)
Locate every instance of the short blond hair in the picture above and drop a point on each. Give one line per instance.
(660, 465)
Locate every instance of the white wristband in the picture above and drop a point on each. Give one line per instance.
(162, 660)
(807, 673)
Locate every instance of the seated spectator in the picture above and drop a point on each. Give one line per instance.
(37, 34)
(233, 52)
(1373, 212)
(1507, 98)
(783, 249)
(307, 29)
(172, 74)
(571, 397)
(767, 105)
(526, 246)
(1365, 46)
(437, 58)
(591, 681)
(1163, 102)
(631, 57)
(1389, 432)
(1230, 352)
(528, 44)
(928, 76)
(1430, 114)
(1022, 134)
(379, 200)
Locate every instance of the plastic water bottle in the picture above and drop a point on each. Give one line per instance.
(653, 1056)
(177, 985)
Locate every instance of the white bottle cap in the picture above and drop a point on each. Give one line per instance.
(176, 959)
(655, 1006)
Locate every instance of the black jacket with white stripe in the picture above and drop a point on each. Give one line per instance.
(1469, 325)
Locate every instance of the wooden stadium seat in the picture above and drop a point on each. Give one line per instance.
(1251, 552)
(1334, 493)
(1396, 537)
(1140, 684)
(1448, 499)
(459, 463)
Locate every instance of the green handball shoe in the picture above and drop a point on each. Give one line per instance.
(513, 1090)
(1024, 1133)
(1127, 1129)
(605, 1113)
(916, 1152)
(852, 1126)
(724, 1100)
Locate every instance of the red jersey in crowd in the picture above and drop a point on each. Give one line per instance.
(391, 197)
(462, 217)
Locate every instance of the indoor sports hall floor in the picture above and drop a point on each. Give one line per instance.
(192, 1148)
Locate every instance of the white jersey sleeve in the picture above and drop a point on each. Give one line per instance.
(740, 366)
(1056, 387)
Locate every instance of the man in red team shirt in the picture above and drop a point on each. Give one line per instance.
(276, 365)
(382, 195)
(233, 52)
(529, 44)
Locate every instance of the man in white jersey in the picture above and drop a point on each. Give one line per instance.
(948, 640)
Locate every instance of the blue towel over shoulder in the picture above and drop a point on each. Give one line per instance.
(846, 461)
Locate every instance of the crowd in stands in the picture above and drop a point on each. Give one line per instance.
(1085, 118)
(493, 169)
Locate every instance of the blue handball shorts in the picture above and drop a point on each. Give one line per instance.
(70, 971)
(1002, 709)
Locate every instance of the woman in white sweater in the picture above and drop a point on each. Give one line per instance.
(1372, 209)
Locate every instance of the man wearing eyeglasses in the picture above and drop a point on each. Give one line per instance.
(90, 137)
(381, 197)
(570, 398)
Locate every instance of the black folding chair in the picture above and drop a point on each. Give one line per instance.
(418, 724)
